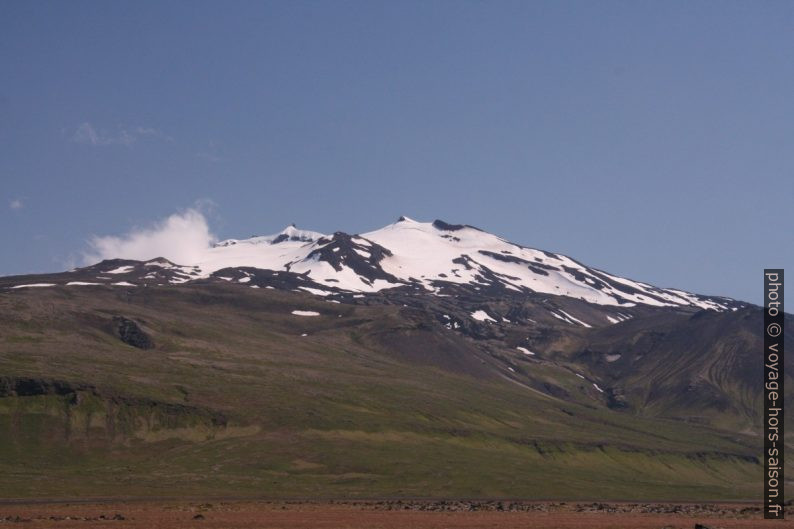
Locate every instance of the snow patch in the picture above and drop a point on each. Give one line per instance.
(305, 313)
(563, 318)
(481, 315)
(316, 291)
(120, 270)
(580, 322)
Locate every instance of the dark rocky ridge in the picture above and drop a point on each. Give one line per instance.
(75, 394)
(130, 333)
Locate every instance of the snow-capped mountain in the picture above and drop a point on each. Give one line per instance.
(432, 257)
(435, 255)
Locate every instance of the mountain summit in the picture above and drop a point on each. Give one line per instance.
(435, 257)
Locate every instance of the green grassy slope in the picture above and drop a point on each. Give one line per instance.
(235, 400)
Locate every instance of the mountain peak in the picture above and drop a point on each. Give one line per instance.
(436, 257)
(292, 233)
(289, 230)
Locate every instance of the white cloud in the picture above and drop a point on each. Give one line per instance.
(182, 238)
(87, 134)
(16, 204)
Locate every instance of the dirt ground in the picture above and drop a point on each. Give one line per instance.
(381, 515)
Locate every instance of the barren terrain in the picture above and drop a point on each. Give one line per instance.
(382, 515)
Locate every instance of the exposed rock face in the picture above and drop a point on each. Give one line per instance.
(130, 333)
(29, 387)
(76, 411)
(616, 398)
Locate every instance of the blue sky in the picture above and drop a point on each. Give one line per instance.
(651, 139)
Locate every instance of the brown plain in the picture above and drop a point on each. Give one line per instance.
(377, 515)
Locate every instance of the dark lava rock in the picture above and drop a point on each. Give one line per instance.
(616, 399)
(31, 387)
(130, 333)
